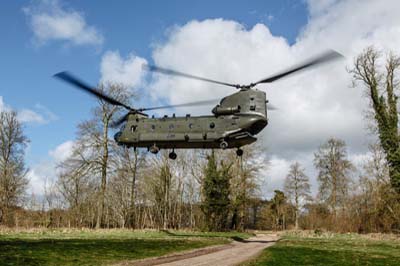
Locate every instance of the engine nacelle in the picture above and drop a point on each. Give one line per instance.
(219, 110)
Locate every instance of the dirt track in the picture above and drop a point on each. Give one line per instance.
(231, 254)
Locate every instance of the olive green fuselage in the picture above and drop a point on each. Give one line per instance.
(236, 121)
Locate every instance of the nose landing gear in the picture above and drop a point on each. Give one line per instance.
(223, 144)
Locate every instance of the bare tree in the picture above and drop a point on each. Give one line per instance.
(128, 166)
(333, 172)
(376, 206)
(297, 188)
(94, 147)
(159, 183)
(77, 186)
(13, 179)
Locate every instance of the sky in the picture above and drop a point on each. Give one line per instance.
(233, 41)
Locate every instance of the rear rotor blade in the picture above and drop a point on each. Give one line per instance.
(272, 107)
(199, 103)
(119, 121)
(325, 57)
(69, 78)
(171, 72)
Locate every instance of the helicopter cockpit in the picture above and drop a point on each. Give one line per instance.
(242, 102)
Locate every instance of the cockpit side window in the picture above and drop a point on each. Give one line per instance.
(252, 103)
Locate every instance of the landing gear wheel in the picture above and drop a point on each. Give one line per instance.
(154, 149)
(172, 155)
(239, 152)
(223, 145)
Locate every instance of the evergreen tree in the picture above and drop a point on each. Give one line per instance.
(216, 192)
(278, 207)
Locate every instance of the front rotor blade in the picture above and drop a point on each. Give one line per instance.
(199, 103)
(69, 78)
(181, 74)
(325, 57)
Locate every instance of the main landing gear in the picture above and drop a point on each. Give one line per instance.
(172, 155)
(154, 149)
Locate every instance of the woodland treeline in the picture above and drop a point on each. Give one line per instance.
(103, 185)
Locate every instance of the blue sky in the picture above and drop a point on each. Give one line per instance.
(127, 26)
(233, 41)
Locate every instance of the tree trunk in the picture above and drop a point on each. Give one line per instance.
(133, 186)
(103, 173)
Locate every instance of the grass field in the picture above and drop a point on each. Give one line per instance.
(104, 247)
(330, 250)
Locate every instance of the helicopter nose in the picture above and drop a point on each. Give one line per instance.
(117, 136)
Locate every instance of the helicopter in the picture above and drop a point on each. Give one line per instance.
(234, 123)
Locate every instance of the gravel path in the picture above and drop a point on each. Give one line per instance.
(239, 252)
(226, 255)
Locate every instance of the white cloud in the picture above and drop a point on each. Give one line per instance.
(127, 71)
(3, 106)
(275, 175)
(41, 115)
(62, 151)
(38, 175)
(217, 49)
(29, 116)
(317, 7)
(50, 21)
(50, 116)
(45, 171)
(314, 105)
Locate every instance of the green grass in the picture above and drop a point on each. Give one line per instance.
(99, 247)
(334, 250)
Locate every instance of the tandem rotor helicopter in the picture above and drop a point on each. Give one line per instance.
(235, 122)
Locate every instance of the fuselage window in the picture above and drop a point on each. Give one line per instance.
(153, 127)
(190, 125)
(212, 125)
(252, 107)
(133, 128)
